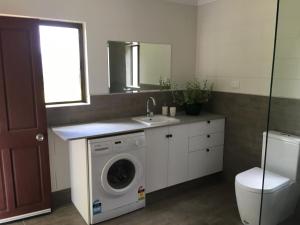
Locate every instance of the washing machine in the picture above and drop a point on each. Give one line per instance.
(116, 175)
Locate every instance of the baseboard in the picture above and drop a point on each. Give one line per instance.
(24, 216)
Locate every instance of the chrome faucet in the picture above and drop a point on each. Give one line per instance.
(150, 113)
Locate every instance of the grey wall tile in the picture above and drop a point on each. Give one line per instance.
(246, 119)
(285, 115)
(107, 107)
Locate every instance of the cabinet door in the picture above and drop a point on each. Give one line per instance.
(178, 155)
(157, 158)
(197, 164)
(205, 162)
(214, 162)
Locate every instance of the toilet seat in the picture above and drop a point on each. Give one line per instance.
(251, 180)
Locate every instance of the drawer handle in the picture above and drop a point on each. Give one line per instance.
(169, 135)
(208, 136)
(207, 149)
(118, 142)
(208, 121)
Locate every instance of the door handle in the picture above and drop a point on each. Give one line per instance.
(40, 137)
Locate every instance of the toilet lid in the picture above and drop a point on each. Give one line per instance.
(252, 180)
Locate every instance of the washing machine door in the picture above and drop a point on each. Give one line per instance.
(120, 174)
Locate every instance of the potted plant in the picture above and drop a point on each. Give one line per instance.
(194, 95)
(165, 84)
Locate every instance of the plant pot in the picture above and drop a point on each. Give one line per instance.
(193, 109)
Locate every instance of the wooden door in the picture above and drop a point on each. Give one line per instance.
(24, 161)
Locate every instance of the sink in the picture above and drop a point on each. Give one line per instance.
(155, 120)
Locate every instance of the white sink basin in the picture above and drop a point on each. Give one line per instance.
(155, 120)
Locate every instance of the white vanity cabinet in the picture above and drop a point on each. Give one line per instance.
(176, 154)
(206, 141)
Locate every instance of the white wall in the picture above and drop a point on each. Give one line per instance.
(287, 60)
(235, 41)
(131, 20)
(153, 21)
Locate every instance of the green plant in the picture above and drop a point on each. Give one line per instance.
(195, 92)
(165, 84)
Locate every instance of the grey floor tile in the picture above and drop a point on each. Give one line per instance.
(211, 203)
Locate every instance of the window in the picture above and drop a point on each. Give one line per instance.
(135, 65)
(63, 62)
(132, 57)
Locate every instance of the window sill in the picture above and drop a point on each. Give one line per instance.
(68, 105)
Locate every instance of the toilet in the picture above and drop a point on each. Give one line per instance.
(281, 185)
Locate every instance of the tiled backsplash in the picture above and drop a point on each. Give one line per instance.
(246, 119)
(104, 107)
(285, 115)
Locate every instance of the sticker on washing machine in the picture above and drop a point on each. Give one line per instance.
(141, 193)
(97, 207)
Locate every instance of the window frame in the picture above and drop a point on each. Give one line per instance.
(83, 75)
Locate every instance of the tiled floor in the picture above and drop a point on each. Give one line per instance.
(205, 202)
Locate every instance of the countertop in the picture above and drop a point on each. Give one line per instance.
(119, 126)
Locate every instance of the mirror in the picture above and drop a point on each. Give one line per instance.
(137, 66)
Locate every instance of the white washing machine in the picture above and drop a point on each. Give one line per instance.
(116, 175)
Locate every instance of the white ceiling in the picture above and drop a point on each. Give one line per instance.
(191, 2)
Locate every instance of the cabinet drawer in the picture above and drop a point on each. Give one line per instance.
(205, 141)
(209, 126)
(205, 162)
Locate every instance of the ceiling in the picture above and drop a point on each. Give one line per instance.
(191, 2)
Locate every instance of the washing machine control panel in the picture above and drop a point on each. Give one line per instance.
(119, 143)
(132, 143)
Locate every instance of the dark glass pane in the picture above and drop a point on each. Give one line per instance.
(121, 174)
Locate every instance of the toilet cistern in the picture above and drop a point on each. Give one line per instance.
(150, 113)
